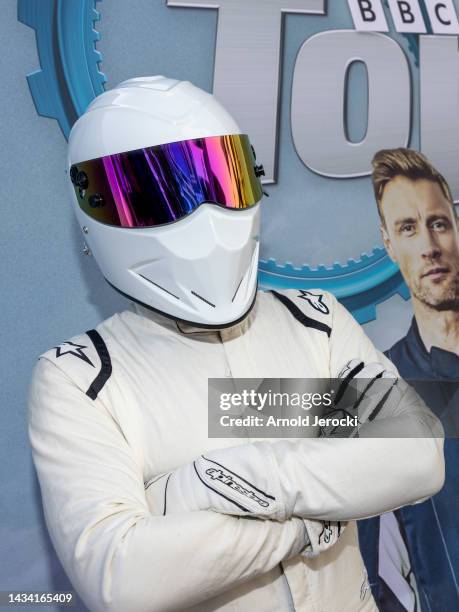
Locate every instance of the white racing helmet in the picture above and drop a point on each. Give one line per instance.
(165, 189)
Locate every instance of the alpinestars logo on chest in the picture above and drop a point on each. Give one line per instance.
(316, 301)
(70, 348)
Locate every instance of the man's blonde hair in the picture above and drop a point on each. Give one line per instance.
(389, 163)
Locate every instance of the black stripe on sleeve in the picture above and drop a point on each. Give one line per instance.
(165, 495)
(300, 316)
(106, 367)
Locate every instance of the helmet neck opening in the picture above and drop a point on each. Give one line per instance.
(200, 326)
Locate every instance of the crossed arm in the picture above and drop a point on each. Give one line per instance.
(326, 479)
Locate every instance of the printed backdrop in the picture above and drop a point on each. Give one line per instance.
(320, 226)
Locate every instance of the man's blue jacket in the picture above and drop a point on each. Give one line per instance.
(430, 529)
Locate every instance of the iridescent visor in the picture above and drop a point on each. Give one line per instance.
(162, 184)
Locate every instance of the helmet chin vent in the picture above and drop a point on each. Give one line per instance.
(203, 299)
(159, 287)
(237, 289)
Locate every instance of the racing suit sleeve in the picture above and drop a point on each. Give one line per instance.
(334, 479)
(342, 479)
(119, 553)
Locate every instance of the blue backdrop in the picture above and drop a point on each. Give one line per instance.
(52, 292)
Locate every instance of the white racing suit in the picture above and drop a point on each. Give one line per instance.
(113, 408)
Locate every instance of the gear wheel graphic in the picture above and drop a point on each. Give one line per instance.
(70, 77)
(359, 284)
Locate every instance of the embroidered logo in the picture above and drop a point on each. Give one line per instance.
(326, 533)
(230, 481)
(70, 348)
(316, 301)
(365, 586)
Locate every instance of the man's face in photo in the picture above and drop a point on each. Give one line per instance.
(420, 233)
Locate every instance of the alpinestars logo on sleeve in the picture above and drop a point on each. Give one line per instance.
(316, 301)
(70, 348)
(231, 482)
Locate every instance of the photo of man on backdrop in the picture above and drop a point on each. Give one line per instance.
(412, 555)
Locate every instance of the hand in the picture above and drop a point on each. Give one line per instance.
(363, 394)
(321, 535)
(224, 481)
